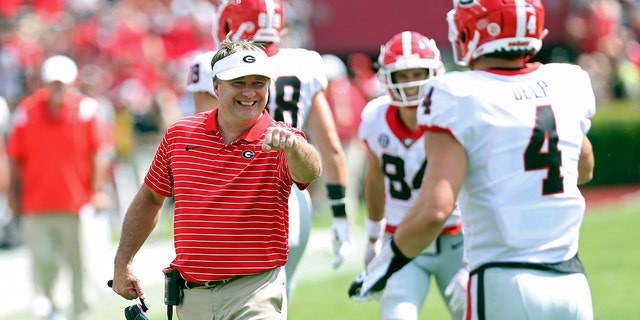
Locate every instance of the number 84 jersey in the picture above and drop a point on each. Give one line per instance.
(522, 131)
(401, 154)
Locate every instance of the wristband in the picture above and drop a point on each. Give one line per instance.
(399, 259)
(336, 195)
(373, 228)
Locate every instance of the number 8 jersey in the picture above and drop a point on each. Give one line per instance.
(300, 76)
(522, 131)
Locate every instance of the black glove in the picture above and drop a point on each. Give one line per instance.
(370, 282)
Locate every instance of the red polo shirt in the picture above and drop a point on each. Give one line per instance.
(231, 200)
(55, 151)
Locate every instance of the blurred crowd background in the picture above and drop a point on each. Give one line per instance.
(133, 57)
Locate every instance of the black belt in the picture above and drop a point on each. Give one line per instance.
(209, 284)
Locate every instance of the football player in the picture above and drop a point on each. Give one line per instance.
(200, 82)
(397, 164)
(508, 138)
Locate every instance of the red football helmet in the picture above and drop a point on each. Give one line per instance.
(479, 27)
(259, 20)
(408, 50)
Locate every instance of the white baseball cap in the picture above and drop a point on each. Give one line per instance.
(242, 64)
(60, 68)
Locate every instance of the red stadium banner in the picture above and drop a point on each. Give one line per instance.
(342, 27)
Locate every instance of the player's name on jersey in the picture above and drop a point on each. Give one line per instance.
(531, 91)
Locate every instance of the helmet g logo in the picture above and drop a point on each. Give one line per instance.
(493, 29)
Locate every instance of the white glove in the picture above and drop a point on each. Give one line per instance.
(457, 290)
(374, 231)
(356, 285)
(370, 283)
(340, 240)
(372, 249)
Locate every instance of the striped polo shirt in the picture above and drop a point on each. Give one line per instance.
(231, 200)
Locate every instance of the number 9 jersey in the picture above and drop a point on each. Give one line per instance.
(522, 131)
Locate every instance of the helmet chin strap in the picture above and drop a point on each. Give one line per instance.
(473, 45)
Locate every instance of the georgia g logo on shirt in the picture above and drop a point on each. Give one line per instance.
(248, 154)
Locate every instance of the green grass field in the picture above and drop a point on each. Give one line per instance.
(609, 250)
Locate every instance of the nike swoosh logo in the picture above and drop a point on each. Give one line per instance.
(188, 147)
(457, 245)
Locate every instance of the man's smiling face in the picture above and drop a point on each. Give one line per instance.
(243, 98)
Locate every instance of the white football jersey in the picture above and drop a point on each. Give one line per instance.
(200, 73)
(401, 155)
(301, 76)
(522, 132)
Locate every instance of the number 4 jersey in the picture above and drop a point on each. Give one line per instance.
(522, 131)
